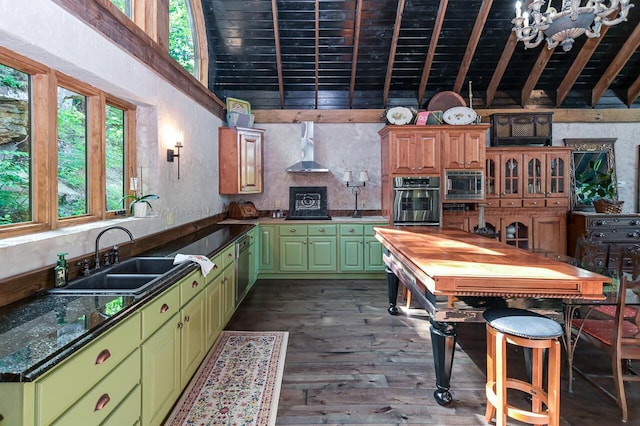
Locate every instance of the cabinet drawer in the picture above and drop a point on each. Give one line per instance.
(611, 221)
(128, 412)
(533, 202)
(511, 203)
(557, 202)
(368, 229)
(160, 310)
(321, 230)
(191, 285)
(352, 229)
(58, 390)
(228, 255)
(103, 398)
(299, 230)
(613, 235)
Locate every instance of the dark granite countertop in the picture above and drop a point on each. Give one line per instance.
(40, 332)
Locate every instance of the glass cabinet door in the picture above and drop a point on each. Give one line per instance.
(557, 176)
(517, 234)
(511, 177)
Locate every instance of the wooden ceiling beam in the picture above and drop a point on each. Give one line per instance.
(478, 27)
(276, 39)
(534, 75)
(588, 49)
(392, 51)
(433, 44)
(609, 115)
(356, 47)
(501, 67)
(624, 54)
(633, 91)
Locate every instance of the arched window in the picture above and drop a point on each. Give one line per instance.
(183, 37)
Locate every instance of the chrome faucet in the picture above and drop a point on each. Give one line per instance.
(97, 254)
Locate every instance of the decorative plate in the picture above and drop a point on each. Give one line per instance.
(238, 105)
(442, 101)
(399, 115)
(459, 115)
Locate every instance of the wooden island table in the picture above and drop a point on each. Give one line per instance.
(456, 275)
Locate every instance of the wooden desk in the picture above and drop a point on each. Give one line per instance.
(456, 275)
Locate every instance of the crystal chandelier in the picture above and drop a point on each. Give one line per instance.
(570, 22)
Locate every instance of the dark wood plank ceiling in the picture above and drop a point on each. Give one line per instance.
(371, 54)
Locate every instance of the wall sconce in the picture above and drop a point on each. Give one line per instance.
(355, 187)
(171, 155)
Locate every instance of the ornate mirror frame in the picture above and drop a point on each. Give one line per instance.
(584, 150)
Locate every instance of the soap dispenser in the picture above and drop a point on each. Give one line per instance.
(61, 271)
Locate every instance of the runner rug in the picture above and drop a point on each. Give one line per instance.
(238, 383)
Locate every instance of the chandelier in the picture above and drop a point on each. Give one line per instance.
(570, 22)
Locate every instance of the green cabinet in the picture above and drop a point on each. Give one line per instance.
(307, 248)
(267, 248)
(253, 256)
(359, 250)
(228, 288)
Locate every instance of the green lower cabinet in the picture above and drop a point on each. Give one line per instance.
(351, 254)
(267, 248)
(214, 319)
(373, 251)
(293, 254)
(192, 339)
(161, 372)
(322, 254)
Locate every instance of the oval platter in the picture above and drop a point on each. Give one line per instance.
(399, 115)
(459, 115)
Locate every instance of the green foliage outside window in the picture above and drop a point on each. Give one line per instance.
(115, 161)
(181, 34)
(123, 5)
(72, 153)
(15, 147)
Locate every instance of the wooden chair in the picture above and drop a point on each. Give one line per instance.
(620, 336)
(633, 257)
(592, 255)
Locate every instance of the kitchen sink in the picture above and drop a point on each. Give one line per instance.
(142, 265)
(133, 276)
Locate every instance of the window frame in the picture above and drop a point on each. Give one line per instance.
(44, 83)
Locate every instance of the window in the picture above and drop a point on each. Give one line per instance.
(65, 159)
(182, 35)
(15, 146)
(72, 154)
(124, 6)
(115, 157)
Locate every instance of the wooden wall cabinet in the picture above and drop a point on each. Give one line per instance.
(528, 177)
(240, 159)
(464, 148)
(412, 150)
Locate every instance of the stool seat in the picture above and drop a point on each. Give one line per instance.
(523, 323)
(535, 333)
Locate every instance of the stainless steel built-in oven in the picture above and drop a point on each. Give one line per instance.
(416, 200)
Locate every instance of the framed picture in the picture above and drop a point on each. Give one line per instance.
(238, 105)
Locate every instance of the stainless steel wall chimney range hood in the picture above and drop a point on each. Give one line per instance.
(307, 163)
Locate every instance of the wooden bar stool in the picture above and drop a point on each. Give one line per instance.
(528, 330)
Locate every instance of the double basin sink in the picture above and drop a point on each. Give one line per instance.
(133, 276)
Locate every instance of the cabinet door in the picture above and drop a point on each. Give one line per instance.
(557, 176)
(192, 344)
(322, 254)
(293, 254)
(161, 385)
(511, 176)
(426, 153)
(464, 150)
(268, 247)
(214, 320)
(516, 231)
(401, 146)
(250, 162)
(548, 232)
(253, 256)
(351, 253)
(228, 294)
(535, 174)
(373, 255)
(492, 179)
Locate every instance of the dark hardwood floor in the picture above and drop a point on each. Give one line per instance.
(349, 362)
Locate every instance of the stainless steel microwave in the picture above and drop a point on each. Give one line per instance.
(462, 185)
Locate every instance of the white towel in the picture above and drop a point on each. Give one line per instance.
(206, 265)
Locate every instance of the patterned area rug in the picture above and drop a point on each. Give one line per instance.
(238, 383)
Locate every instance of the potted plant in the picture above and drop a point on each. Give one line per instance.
(140, 203)
(599, 187)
